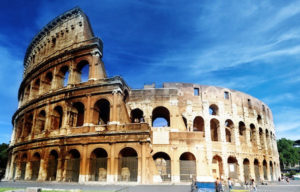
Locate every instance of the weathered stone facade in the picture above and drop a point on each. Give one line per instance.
(101, 130)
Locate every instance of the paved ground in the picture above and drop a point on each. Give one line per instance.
(293, 186)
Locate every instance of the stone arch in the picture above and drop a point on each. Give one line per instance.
(63, 76)
(52, 165)
(265, 170)
(73, 165)
(215, 130)
(198, 124)
(252, 134)
(229, 128)
(160, 117)
(256, 170)
(128, 164)
(36, 87)
(267, 139)
(246, 169)
(23, 163)
(213, 109)
(187, 166)
(261, 137)
(242, 132)
(259, 119)
(217, 167)
(101, 112)
(28, 124)
(47, 82)
(271, 171)
(163, 165)
(77, 115)
(98, 165)
(15, 162)
(27, 92)
(82, 71)
(57, 118)
(40, 121)
(233, 167)
(19, 127)
(137, 116)
(35, 166)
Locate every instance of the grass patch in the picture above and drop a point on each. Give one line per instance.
(6, 189)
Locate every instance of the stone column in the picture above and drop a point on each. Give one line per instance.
(144, 156)
(88, 112)
(43, 170)
(84, 164)
(240, 169)
(28, 172)
(97, 66)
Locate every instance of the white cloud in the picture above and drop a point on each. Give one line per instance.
(279, 98)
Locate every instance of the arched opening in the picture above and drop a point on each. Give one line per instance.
(213, 109)
(259, 119)
(187, 167)
(126, 96)
(185, 122)
(40, 121)
(217, 167)
(271, 171)
(233, 166)
(137, 116)
(229, 126)
(19, 126)
(28, 125)
(52, 166)
(246, 167)
(36, 88)
(163, 165)
(198, 124)
(242, 132)
(267, 140)
(77, 115)
(47, 81)
(82, 71)
(256, 170)
(23, 166)
(98, 165)
(252, 134)
(27, 92)
(15, 166)
(160, 117)
(35, 166)
(265, 170)
(101, 112)
(261, 137)
(73, 166)
(57, 118)
(63, 76)
(214, 130)
(128, 165)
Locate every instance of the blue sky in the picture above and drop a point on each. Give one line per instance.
(251, 46)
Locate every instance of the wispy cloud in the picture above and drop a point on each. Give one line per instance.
(279, 98)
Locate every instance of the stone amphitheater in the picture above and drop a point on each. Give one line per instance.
(73, 127)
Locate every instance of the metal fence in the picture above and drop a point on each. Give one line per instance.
(72, 171)
(128, 169)
(187, 170)
(35, 165)
(51, 169)
(164, 168)
(98, 169)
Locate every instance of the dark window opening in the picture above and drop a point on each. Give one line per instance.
(196, 91)
(198, 124)
(226, 95)
(137, 116)
(213, 109)
(102, 109)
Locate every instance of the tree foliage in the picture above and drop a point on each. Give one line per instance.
(3, 155)
(288, 154)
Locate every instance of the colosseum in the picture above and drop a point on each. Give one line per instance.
(74, 128)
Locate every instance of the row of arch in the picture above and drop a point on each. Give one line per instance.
(25, 168)
(76, 117)
(62, 77)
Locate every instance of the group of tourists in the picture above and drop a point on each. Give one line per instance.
(220, 185)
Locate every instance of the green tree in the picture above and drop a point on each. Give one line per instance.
(288, 154)
(3, 155)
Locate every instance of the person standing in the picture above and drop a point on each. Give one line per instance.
(229, 183)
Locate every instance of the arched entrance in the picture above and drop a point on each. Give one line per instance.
(163, 165)
(160, 117)
(23, 166)
(35, 166)
(128, 165)
(265, 170)
(217, 167)
(233, 168)
(271, 171)
(52, 166)
(98, 165)
(187, 167)
(256, 170)
(73, 166)
(246, 168)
